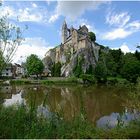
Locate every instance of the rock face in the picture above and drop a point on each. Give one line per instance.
(76, 44)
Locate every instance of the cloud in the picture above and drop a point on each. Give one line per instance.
(32, 13)
(27, 14)
(34, 5)
(121, 26)
(135, 25)
(74, 9)
(30, 46)
(118, 33)
(7, 10)
(117, 19)
(124, 47)
(53, 18)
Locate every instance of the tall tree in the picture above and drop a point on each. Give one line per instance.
(34, 65)
(10, 39)
(92, 36)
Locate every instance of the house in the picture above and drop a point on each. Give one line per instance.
(18, 70)
(8, 71)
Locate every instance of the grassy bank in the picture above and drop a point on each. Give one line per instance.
(48, 81)
(22, 123)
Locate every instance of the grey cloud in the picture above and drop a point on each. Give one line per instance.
(74, 9)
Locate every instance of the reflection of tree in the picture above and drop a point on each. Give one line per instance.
(7, 91)
(64, 101)
(34, 95)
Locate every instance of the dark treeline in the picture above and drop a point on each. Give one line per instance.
(113, 63)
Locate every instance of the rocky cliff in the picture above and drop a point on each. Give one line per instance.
(70, 58)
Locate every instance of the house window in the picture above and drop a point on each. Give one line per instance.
(6, 73)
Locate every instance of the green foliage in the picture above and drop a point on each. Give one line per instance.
(131, 70)
(34, 65)
(92, 36)
(77, 71)
(137, 55)
(100, 72)
(87, 78)
(56, 69)
(90, 70)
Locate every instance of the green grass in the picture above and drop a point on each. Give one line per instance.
(71, 80)
(19, 123)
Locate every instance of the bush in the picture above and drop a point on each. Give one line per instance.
(87, 78)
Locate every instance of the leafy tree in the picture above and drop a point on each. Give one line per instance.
(100, 72)
(10, 39)
(89, 70)
(34, 65)
(77, 71)
(56, 69)
(131, 70)
(137, 55)
(92, 36)
(113, 61)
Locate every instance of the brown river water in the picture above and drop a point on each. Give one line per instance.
(102, 105)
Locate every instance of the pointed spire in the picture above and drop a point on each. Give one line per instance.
(64, 24)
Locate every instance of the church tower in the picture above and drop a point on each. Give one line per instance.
(64, 32)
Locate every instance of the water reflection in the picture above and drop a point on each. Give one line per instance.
(98, 103)
(115, 119)
(15, 99)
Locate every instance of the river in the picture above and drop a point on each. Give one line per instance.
(103, 106)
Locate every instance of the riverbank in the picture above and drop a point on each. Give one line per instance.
(47, 81)
(19, 123)
(67, 80)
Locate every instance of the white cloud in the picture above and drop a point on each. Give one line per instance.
(53, 18)
(135, 25)
(7, 10)
(124, 47)
(116, 34)
(123, 26)
(30, 46)
(117, 19)
(34, 5)
(28, 15)
(32, 13)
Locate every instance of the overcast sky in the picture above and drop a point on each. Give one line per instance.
(116, 24)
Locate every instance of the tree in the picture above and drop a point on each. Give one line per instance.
(92, 36)
(56, 69)
(89, 70)
(10, 39)
(137, 55)
(131, 70)
(77, 71)
(34, 65)
(100, 72)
